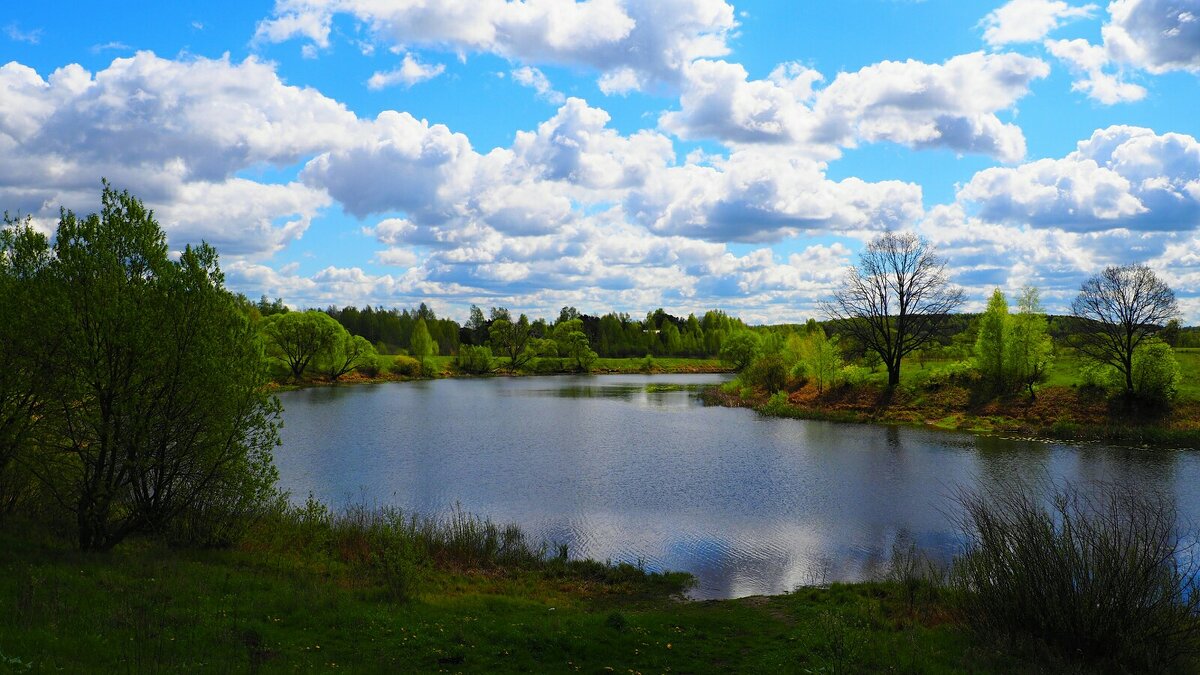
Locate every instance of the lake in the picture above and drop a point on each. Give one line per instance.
(634, 468)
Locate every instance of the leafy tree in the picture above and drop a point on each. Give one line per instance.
(740, 349)
(895, 300)
(474, 359)
(27, 304)
(1116, 311)
(300, 337)
(511, 339)
(823, 360)
(1030, 349)
(345, 354)
(1155, 372)
(157, 405)
(572, 343)
(1170, 333)
(423, 346)
(992, 343)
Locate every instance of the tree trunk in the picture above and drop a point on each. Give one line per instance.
(893, 373)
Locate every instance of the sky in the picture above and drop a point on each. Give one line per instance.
(618, 154)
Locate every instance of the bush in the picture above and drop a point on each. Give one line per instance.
(769, 372)
(855, 375)
(475, 360)
(406, 366)
(372, 366)
(1103, 578)
(1099, 376)
(961, 373)
(1155, 372)
(547, 365)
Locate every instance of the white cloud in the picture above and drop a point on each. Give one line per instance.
(18, 34)
(173, 132)
(1122, 177)
(1029, 20)
(1155, 36)
(1089, 62)
(410, 72)
(628, 41)
(951, 105)
(535, 79)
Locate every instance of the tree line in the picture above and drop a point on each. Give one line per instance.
(898, 304)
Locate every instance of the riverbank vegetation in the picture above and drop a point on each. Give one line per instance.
(891, 352)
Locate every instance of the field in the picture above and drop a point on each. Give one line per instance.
(148, 608)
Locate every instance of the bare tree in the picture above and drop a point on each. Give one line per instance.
(895, 300)
(1116, 311)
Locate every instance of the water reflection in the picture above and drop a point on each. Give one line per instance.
(633, 468)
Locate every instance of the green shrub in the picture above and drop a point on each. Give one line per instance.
(769, 372)
(545, 365)
(1155, 372)
(1108, 579)
(960, 373)
(855, 375)
(474, 359)
(371, 367)
(1099, 376)
(406, 366)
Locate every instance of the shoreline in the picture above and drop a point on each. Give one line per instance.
(958, 419)
(692, 367)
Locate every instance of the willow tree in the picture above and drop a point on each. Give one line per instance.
(895, 300)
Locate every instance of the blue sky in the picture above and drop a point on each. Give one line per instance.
(618, 154)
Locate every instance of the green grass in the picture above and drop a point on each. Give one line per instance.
(146, 608)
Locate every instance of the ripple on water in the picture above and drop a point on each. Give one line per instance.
(630, 468)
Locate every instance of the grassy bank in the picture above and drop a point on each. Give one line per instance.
(443, 366)
(285, 602)
(1063, 409)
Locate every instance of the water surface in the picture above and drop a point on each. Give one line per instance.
(634, 468)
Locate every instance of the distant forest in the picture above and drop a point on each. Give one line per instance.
(619, 335)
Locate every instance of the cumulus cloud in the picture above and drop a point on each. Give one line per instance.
(175, 132)
(410, 72)
(1155, 36)
(1029, 20)
(1121, 177)
(633, 43)
(952, 105)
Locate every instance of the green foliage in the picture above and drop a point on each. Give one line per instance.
(474, 359)
(1156, 373)
(1030, 350)
(572, 343)
(769, 372)
(1013, 351)
(155, 407)
(822, 359)
(511, 339)
(855, 376)
(373, 366)
(423, 345)
(27, 339)
(740, 349)
(301, 338)
(991, 345)
(406, 366)
(346, 353)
